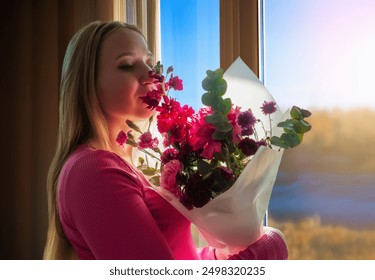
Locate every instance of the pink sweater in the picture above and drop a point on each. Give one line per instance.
(107, 211)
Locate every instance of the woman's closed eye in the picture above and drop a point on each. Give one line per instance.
(126, 67)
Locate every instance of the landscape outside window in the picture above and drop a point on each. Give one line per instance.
(319, 55)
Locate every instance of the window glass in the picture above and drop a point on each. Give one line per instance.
(320, 55)
(190, 42)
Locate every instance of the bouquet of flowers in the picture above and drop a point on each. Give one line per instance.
(218, 165)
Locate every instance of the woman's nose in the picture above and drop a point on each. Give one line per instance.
(146, 78)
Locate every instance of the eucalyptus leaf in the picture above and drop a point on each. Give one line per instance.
(224, 127)
(219, 106)
(305, 113)
(220, 86)
(210, 99)
(217, 135)
(296, 113)
(301, 126)
(215, 118)
(228, 105)
(214, 82)
(292, 139)
(287, 124)
(277, 141)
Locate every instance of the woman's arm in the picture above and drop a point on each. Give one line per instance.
(271, 246)
(105, 204)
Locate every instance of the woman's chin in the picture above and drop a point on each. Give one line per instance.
(144, 114)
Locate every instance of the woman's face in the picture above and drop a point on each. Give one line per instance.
(124, 63)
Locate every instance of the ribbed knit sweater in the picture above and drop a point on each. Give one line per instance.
(108, 211)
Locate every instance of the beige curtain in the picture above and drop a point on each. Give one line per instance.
(239, 33)
(34, 36)
(146, 15)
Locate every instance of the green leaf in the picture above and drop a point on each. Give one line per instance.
(220, 86)
(292, 139)
(228, 105)
(299, 126)
(131, 142)
(215, 118)
(209, 98)
(224, 127)
(287, 125)
(132, 125)
(155, 180)
(150, 122)
(204, 167)
(219, 73)
(219, 106)
(296, 113)
(305, 113)
(148, 171)
(141, 160)
(217, 135)
(299, 114)
(277, 141)
(302, 126)
(214, 82)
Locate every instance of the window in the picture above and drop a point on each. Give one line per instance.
(320, 55)
(190, 42)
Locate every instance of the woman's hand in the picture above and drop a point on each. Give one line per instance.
(271, 246)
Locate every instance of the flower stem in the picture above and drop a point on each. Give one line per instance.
(151, 155)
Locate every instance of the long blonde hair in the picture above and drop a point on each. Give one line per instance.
(80, 119)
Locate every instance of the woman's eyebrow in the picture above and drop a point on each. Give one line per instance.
(125, 54)
(148, 53)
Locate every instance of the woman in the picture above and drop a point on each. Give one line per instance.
(100, 206)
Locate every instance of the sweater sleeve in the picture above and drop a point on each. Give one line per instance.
(271, 246)
(105, 203)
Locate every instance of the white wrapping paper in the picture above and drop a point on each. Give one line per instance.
(234, 219)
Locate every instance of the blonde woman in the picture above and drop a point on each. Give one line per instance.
(99, 205)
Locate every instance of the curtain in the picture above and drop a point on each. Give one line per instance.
(146, 15)
(239, 33)
(34, 36)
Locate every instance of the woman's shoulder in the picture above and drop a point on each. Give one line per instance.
(86, 156)
(87, 163)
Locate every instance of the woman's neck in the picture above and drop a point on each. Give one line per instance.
(114, 128)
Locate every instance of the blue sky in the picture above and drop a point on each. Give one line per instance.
(319, 54)
(190, 42)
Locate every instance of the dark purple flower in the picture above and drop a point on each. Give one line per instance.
(262, 143)
(268, 107)
(226, 173)
(247, 131)
(246, 119)
(248, 146)
(197, 192)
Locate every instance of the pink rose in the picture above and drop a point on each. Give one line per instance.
(146, 141)
(169, 174)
